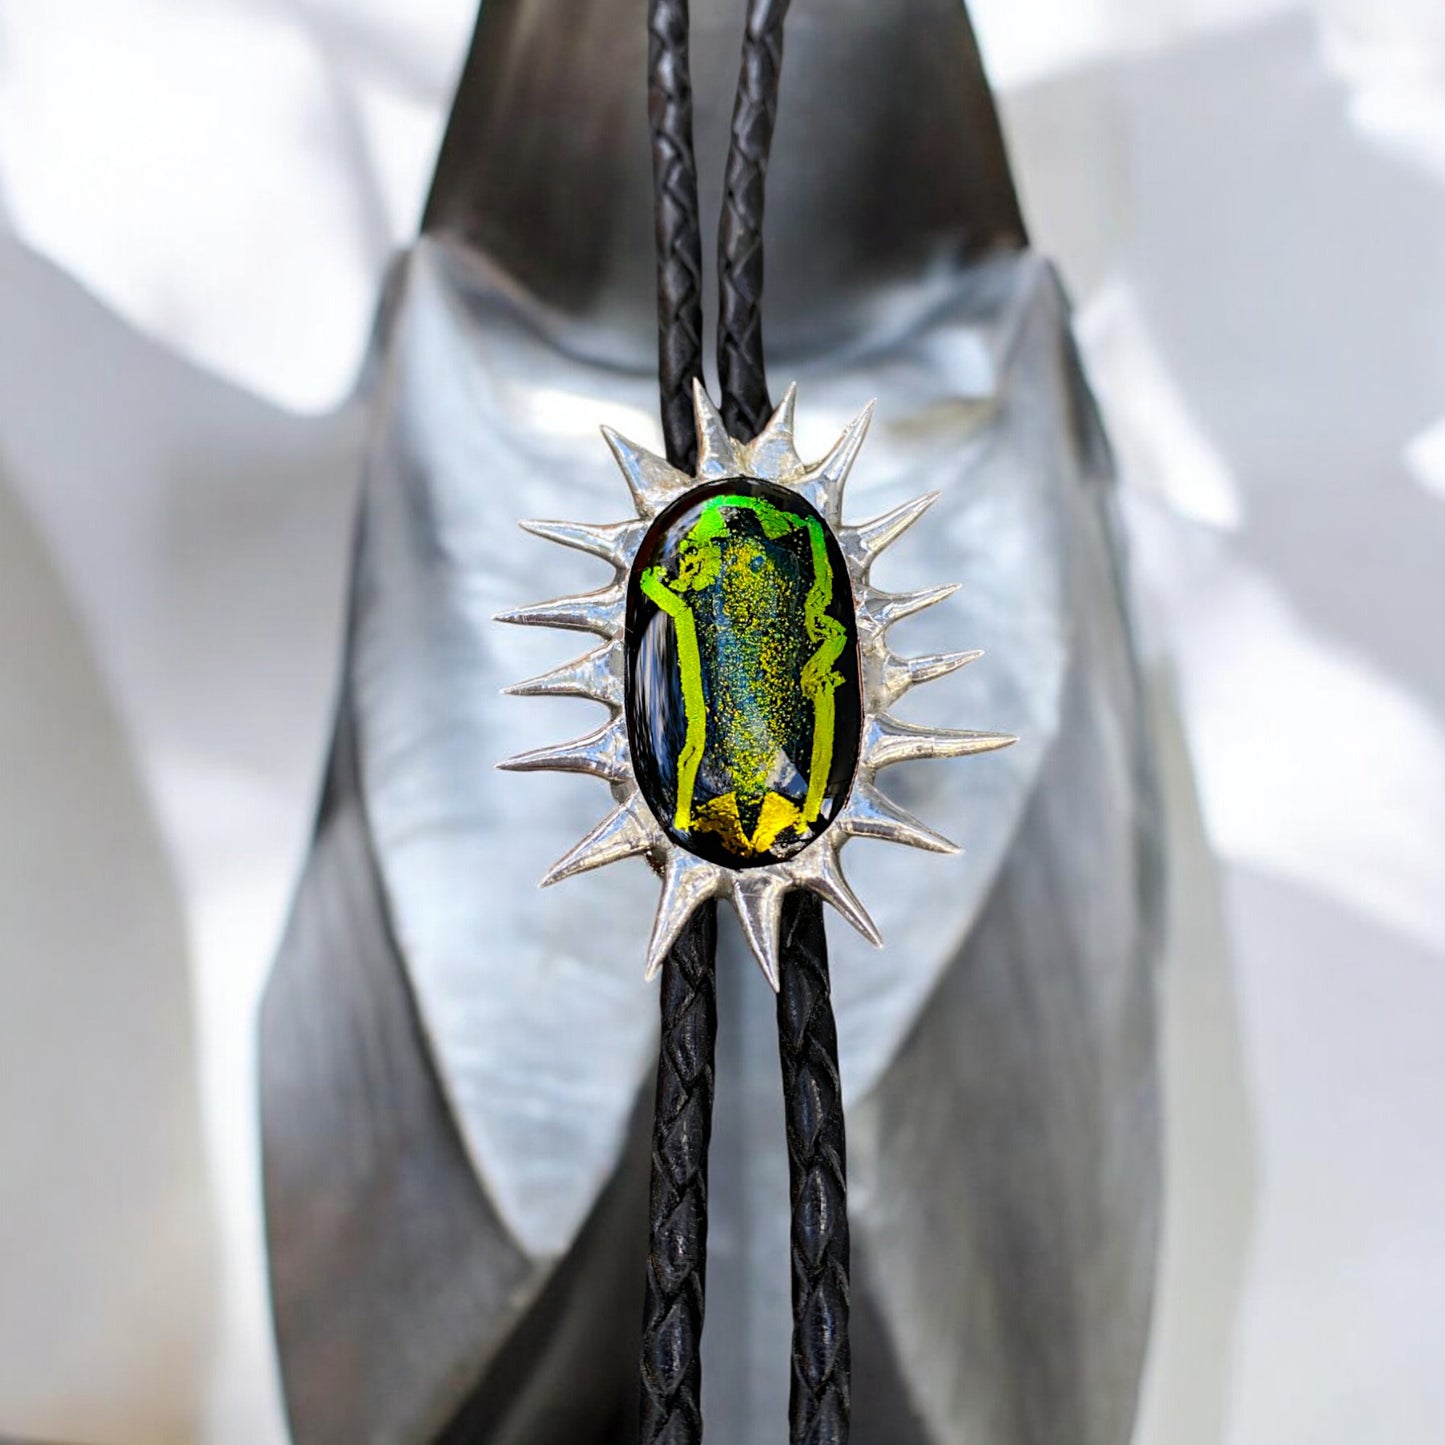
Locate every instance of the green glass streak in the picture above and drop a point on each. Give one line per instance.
(689, 663)
(819, 681)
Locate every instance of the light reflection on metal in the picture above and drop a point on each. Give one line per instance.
(439, 1031)
(688, 880)
(530, 1007)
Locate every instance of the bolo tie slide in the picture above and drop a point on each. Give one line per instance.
(748, 673)
(748, 676)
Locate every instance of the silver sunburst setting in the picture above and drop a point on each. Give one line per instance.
(632, 829)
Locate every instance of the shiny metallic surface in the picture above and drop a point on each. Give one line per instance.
(687, 881)
(888, 743)
(601, 754)
(875, 816)
(615, 543)
(596, 675)
(757, 894)
(599, 612)
(997, 1054)
(887, 169)
(892, 676)
(653, 482)
(628, 831)
(863, 543)
(530, 1003)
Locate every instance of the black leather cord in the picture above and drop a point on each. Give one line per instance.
(745, 405)
(681, 1129)
(821, 1401)
(679, 232)
(671, 1358)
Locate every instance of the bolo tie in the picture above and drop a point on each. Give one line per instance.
(747, 673)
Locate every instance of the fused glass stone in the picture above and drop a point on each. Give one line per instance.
(743, 697)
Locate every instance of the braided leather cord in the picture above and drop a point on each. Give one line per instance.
(745, 405)
(820, 1403)
(681, 1128)
(821, 1400)
(679, 232)
(671, 1356)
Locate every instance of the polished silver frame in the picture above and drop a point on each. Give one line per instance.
(631, 829)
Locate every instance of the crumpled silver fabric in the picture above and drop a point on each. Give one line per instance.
(997, 1054)
(543, 1035)
(456, 1067)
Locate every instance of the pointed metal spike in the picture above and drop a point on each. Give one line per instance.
(717, 455)
(625, 832)
(938, 664)
(602, 754)
(688, 882)
(601, 612)
(870, 814)
(895, 675)
(614, 542)
(823, 484)
(653, 481)
(883, 609)
(825, 878)
(888, 741)
(758, 898)
(863, 543)
(596, 675)
(773, 452)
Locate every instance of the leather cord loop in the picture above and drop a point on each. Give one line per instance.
(679, 232)
(682, 1126)
(820, 1402)
(671, 1370)
(671, 1359)
(745, 404)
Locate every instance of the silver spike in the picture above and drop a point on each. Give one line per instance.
(824, 876)
(773, 452)
(653, 480)
(717, 453)
(823, 484)
(596, 675)
(601, 612)
(888, 741)
(758, 898)
(880, 610)
(870, 814)
(625, 832)
(892, 676)
(602, 754)
(614, 542)
(937, 664)
(862, 544)
(688, 882)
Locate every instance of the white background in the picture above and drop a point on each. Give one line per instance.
(1248, 202)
